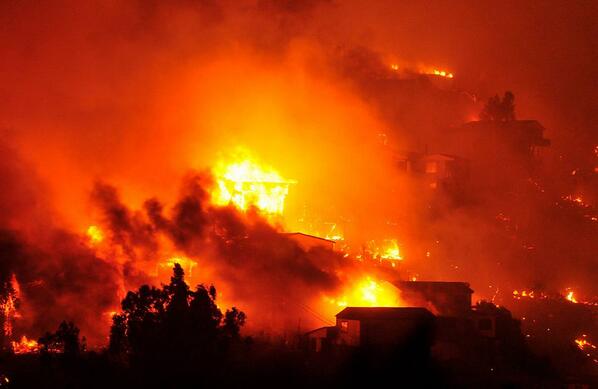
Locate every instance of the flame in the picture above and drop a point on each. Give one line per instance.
(367, 292)
(24, 346)
(246, 183)
(391, 250)
(95, 235)
(334, 233)
(387, 249)
(186, 263)
(8, 306)
(526, 294)
(587, 347)
(583, 343)
(570, 297)
(442, 73)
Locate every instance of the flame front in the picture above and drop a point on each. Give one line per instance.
(246, 183)
(24, 346)
(367, 292)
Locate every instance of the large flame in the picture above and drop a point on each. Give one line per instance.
(245, 182)
(366, 292)
(24, 346)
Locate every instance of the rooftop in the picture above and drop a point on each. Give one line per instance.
(357, 313)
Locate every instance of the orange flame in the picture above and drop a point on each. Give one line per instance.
(24, 346)
(570, 297)
(367, 292)
(244, 182)
(95, 235)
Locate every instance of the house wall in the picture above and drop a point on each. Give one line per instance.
(349, 332)
(394, 332)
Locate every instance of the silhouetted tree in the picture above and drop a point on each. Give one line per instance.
(118, 335)
(233, 321)
(173, 325)
(500, 110)
(65, 340)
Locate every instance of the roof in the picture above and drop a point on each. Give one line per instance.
(329, 330)
(358, 313)
(307, 235)
(444, 285)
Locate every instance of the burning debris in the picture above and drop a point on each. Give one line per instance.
(25, 346)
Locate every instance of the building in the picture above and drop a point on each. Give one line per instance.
(322, 339)
(377, 327)
(441, 297)
(522, 137)
(440, 171)
(501, 154)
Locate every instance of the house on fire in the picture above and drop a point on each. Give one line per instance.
(441, 297)
(364, 326)
(446, 172)
(376, 327)
(440, 318)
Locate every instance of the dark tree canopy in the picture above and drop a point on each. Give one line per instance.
(65, 340)
(173, 323)
(499, 110)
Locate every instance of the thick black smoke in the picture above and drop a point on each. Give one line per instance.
(262, 270)
(58, 276)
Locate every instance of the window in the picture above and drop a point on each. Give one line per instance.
(344, 326)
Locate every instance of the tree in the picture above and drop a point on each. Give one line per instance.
(233, 321)
(173, 325)
(499, 110)
(65, 340)
(118, 335)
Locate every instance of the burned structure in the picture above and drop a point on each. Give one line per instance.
(439, 319)
(440, 297)
(382, 327)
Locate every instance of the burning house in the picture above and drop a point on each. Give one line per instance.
(441, 297)
(443, 172)
(376, 327)
(437, 317)
(383, 327)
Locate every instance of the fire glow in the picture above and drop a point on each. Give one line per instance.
(367, 292)
(244, 182)
(25, 346)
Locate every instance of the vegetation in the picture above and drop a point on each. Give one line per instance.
(499, 110)
(65, 340)
(174, 325)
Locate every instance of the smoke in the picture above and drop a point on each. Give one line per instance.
(136, 94)
(59, 277)
(259, 268)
